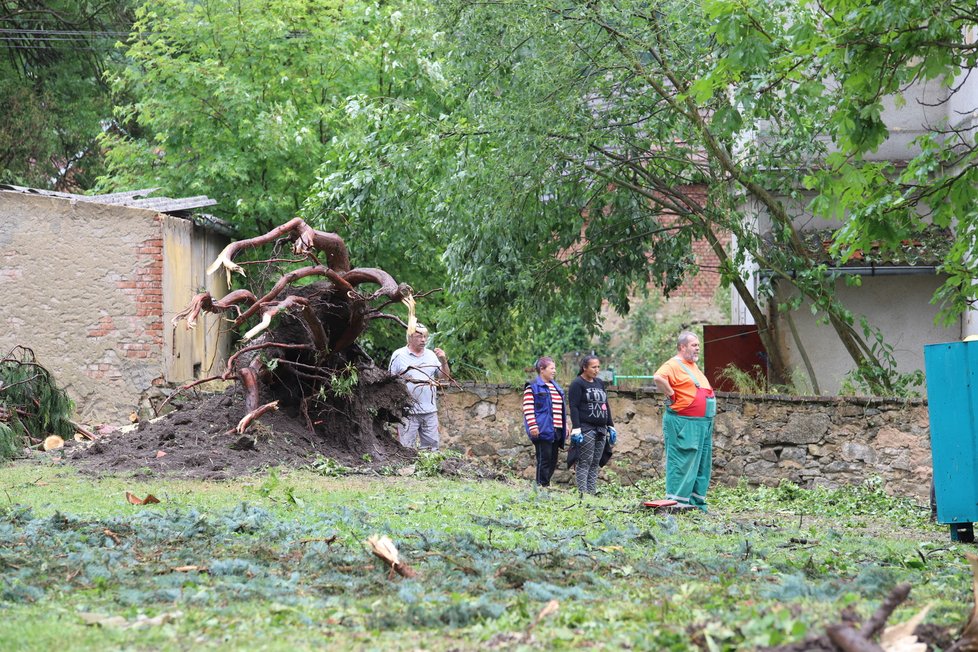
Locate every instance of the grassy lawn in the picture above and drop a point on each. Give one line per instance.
(278, 561)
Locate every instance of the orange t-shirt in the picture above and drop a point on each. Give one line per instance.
(684, 387)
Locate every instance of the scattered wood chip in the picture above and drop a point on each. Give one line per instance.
(116, 539)
(549, 609)
(53, 442)
(133, 499)
(121, 622)
(160, 454)
(102, 620)
(82, 433)
(384, 548)
(189, 569)
(900, 637)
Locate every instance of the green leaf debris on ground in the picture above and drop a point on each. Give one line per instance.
(282, 564)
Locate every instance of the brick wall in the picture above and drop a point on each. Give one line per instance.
(703, 286)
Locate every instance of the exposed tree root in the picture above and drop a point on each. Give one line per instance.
(301, 344)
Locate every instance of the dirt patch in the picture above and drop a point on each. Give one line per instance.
(198, 439)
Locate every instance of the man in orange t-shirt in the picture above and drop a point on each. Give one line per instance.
(687, 424)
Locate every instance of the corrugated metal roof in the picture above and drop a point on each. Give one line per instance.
(184, 207)
(131, 198)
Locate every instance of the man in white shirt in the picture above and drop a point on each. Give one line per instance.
(419, 367)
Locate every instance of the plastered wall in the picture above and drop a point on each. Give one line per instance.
(82, 285)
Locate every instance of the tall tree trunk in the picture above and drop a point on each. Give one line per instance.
(775, 357)
(676, 93)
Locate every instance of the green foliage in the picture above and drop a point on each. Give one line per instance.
(366, 187)
(748, 382)
(875, 52)
(31, 404)
(766, 566)
(52, 93)
(269, 485)
(756, 382)
(343, 382)
(582, 137)
(239, 100)
(428, 464)
(547, 235)
(534, 169)
(866, 499)
(328, 467)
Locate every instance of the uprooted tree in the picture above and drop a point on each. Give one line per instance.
(302, 353)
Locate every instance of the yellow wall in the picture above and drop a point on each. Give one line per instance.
(187, 251)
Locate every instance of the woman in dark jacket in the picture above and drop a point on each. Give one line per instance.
(591, 420)
(544, 416)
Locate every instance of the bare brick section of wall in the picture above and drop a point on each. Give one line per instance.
(704, 285)
(137, 335)
(809, 441)
(146, 289)
(105, 326)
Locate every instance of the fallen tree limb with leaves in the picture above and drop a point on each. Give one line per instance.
(32, 406)
(846, 636)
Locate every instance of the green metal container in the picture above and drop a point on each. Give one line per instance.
(952, 398)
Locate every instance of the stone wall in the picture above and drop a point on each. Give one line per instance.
(828, 441)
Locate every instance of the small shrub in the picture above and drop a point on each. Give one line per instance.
(329, 467)
(31, 404)
(428, 463)
(755, 382)
(342, 383)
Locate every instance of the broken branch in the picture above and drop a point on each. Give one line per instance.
(249, 418)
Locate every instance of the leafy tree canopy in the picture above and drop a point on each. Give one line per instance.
(593, 144)
(55, 102)
(876, 55)
(283, 108)
(539, 160)
(589, 120)
(239, 100)
(532, 242)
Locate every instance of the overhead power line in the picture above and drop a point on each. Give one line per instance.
(44, 39)
(63, 32)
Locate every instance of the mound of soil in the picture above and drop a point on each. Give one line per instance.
(198, 439)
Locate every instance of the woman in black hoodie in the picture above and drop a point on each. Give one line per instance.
(591, 421)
